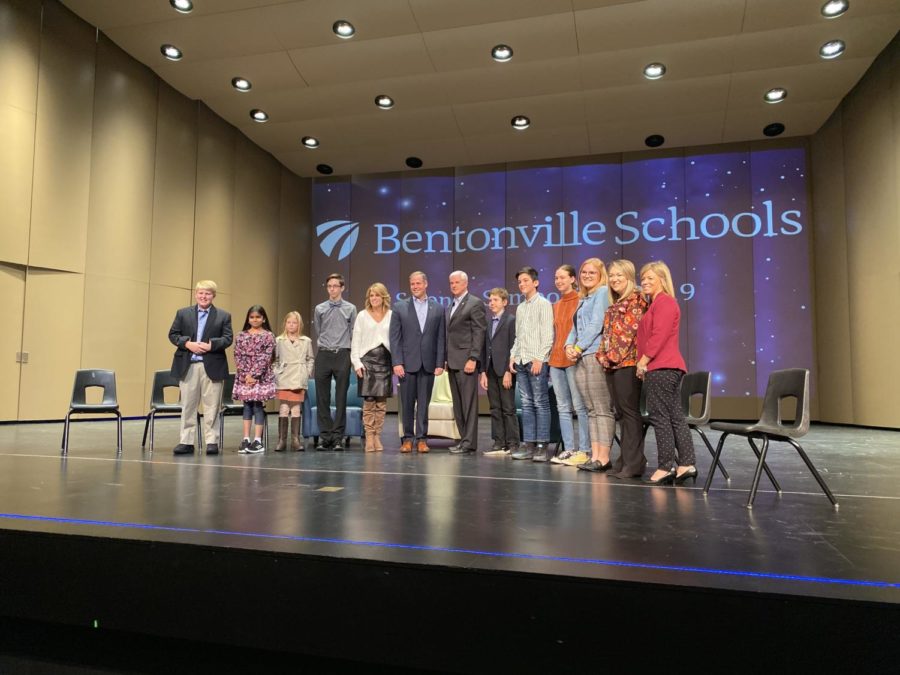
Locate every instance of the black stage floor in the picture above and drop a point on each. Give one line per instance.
(454, 563)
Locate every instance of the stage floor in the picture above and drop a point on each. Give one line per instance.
(476, 512)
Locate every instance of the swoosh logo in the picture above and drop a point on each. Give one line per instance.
(343, 232)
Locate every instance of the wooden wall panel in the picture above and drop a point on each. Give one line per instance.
(62, 146)
(12, 290)
(294, 254)
(20, 43)
(51, 333)
(122, 166)
(214, 211)
(172, 240)
(114, 335)
(163, 302)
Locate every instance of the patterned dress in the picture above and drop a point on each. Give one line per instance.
(253, 356)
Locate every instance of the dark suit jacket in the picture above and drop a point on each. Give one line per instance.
(465, 332)
(410, 347)
(218, 333)
(495, 356)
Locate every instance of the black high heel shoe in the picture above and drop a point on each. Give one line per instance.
(690, 473)
(663, 480)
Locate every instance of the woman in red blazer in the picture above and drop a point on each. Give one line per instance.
(661, 366)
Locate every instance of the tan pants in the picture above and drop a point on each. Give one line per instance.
(196, 387)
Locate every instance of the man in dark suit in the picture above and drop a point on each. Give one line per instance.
(418, 351)
(496, 376)
(466, 325)
(201, 333)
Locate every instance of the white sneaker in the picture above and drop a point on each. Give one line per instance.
(576, 459)
(502, 452)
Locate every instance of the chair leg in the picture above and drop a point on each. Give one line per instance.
(715, 462)
(760, 465)
(65, 438)
(765, 466)
(147, 428)
(814, 472)
(712, 452)
(118, 433)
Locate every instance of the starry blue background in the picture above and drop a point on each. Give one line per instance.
(746, 301)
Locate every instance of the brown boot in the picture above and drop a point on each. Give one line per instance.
(368, 416)
(380, 412)
(282, 434)
(296, 441)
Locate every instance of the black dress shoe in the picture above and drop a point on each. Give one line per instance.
(595, 466)
(461, 450)
(689, 474)
(212, 448)
(183, 449)
(663, 480)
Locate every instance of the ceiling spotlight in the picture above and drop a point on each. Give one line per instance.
(654, 141)
(774, 129)
(258, 115)
(775, 95)
(502, 53)
(171, 52)
(384, 101)
(185, 6)
(310, 142)
(324, 169)
(241, 84)
(832, 49)
(414, 162)
(520, 122)
(654, 71)
(834, 8)
(343, 29)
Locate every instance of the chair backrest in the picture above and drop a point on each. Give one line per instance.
(310, 398)
(162, 380)
(790, 383)
(354, 400)
(227, 389)
(696, 384)
(94, 377)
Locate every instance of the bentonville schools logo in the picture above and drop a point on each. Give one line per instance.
(336, 232)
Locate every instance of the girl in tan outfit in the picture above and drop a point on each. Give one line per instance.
(293, 367)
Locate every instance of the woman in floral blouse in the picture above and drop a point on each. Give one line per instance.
(254, 381)
(618, 356)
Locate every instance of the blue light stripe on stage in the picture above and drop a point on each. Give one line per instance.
(464, 551)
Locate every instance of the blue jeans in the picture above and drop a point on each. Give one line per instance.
(535, 403)
(568, 400)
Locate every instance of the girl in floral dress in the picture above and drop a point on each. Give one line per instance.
(254, 382)
(618, 356)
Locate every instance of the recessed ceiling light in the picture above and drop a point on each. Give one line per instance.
(834, 8)
(384, 101)
(520, 122)
(654, 71)
(775, 95)
(171, 52)
(774, 129)
(258, 115)
(310, 142)
(654, 141)
(185, 6)
(832, 49)
(241, 84)
(414, 162)
(343, 29)
(502, 53)
(324, 169)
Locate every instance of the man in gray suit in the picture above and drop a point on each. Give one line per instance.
(418, 351)
(466, 326)
(201, 333)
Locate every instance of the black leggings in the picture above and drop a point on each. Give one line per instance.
(255, 410)
(667, 417)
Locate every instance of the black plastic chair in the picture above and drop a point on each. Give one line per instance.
(232, 408)
(783, 384)
(692, 384)
(162, 380)
(79, 405)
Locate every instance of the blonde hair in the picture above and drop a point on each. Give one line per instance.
(660, 269)
(291, 315)
(603, 281)
(207, 285)
(627, 268)
(379, 289)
